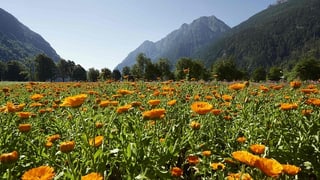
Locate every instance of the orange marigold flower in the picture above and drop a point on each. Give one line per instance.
(24, 115)
(206, 153)
(309, 91)
(97, 141)
(295, 84)
(217, 166)
(104, 103)
(306, 112)
(201, 107)
(36, 104)
(176, 172)
(195, 125)
(241, 139)
(48, 144)
(42, 172)
(9, 157)
(24, 127)
(99, 125)
(92, 176)
(263, 88)
(226, 97)
(37, 97)
(245, 157)
(5, 89)
(67, 146)
(153, 114)
(172, 102)
(237, 86)
(53, 138)
(270, 167)
(74, 101)
(290, 169)
(193, 160)
(124, 91)
(154, 102)
(288, 106)
(216, 111)
(136, 103)
(239, 176)
(123, 109)
(10, 107)
(257, 148)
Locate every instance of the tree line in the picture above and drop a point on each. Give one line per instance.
(43, 68)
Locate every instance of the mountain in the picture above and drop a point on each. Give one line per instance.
(183, 42)
(280, 35)
(18, 42)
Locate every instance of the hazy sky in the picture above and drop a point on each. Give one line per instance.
(101, 33)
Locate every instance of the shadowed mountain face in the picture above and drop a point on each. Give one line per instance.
(277, 36)
(18, 42)
(183, 42)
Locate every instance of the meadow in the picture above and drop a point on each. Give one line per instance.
(160, 130)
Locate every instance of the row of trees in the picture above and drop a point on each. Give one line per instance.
(43, 68)
(225, 69)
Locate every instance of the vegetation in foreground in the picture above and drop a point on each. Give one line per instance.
(160, 130)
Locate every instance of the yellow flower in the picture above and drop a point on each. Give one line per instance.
(9, 157)
(99, 125)
(217, 166)
(67, 146)
(153, 114)
(176, 172)
(270, 167)
(245, 157)
(92, 176)
(257, 148)
(53, 138)
(42, 172)
(74, 101)
(24, 127)
(288, 106)
(96, 142)
(290, 169)
(201, 107)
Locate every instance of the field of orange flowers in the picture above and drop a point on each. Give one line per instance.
(159, 130)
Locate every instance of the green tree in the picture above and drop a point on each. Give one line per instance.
(14, 71)
(307, 69)
(65, 68)
(259, 74)
(45, 68)
(163, 66)
(275, 73)
(79, 73)
(93, 74)
(3, 69)
(126, 71)
(116, 75)
(105, 74)
(226, 69)
(139, 69)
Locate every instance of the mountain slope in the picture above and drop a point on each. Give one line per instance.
(18, 42)
(183, 42)
(277, 36)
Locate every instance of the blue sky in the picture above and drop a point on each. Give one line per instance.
(101, 33)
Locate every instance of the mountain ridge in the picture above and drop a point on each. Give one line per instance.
(18, 42)
(181, 42)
